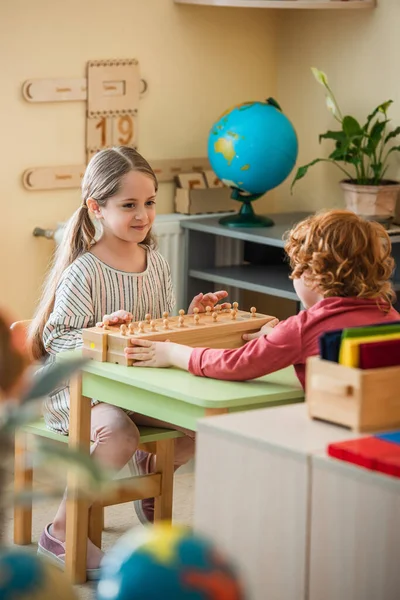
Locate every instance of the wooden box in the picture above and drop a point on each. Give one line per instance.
(363, 400)
(207, 200)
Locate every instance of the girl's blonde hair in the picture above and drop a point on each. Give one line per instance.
(343, 255)
(102, 180)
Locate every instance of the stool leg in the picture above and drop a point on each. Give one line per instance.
(23, 477)
(96, 523)
(165, 465)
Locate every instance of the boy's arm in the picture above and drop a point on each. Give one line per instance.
(266, 354)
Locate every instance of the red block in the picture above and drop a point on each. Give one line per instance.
(390, 465)
(369, 452)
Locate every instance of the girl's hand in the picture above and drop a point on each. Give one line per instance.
(265, 330)
(158, 354)
(118, 317)
(201, 301)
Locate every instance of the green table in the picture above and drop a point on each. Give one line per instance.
(171, 395)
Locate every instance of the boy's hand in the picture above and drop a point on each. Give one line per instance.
(201, 301)
(149, 354)
(118, 317)
(158, 354)
(265, 330)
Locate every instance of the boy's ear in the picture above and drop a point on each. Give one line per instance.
(94, 207)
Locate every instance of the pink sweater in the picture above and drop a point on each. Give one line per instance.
(291, 342)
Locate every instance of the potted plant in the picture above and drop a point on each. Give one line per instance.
(362, 153)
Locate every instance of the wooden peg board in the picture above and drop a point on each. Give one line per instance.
(202, 330)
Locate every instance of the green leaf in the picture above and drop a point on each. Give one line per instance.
(45, 383)
(301, 171)
(375, 135)
(351, 127)
(393, 149)
(320, 76)
(339, 136)
(273, 102)
(381, 108)
(392, 134)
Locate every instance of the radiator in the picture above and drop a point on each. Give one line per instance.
(170, 238)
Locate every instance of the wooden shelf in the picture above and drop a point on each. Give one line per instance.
(306, 4)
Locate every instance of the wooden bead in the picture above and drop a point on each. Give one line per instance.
(141, 327)
(196, 319)
(152, 326)
(228, 306)
(253, 311)
(123, 329)
(233, 314)
(218, 307)
(235, 305)
(196, 311)
(181, 312)
(148, 317)
(131, 328)
(208, 310)
(181, 321)
(165, 315)
(215, 316)
(166, 324)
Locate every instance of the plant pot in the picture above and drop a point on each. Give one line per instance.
(377, 202)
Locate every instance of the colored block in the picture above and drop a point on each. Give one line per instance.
(371, 453)
(329, 345)
(349, 355)
(380, 354)
(329, 342)
(391, 436)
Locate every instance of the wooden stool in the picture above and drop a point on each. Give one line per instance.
(158, 485)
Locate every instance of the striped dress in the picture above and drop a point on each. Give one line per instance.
(88, 290)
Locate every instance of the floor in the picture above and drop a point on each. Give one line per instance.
(118, 519)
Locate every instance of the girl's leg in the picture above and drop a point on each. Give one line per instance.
(144, 463)
(184, 446)
(115, 439)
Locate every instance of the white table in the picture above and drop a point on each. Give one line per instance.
(262, 495)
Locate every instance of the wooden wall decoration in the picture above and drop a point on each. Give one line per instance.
(112, 92)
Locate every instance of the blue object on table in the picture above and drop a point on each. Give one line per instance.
(164, 561)
(391, 436)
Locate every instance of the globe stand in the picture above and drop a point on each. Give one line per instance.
(246, 217)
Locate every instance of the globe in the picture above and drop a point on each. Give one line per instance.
(25, 576)
(252, 148)
(164, 561)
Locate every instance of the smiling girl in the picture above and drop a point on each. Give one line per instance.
(120, 275)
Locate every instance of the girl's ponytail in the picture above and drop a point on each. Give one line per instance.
(78, 237)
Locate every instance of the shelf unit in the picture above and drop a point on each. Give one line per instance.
(305, 4)
(264, 271)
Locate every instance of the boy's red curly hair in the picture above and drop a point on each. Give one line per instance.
(343, 255)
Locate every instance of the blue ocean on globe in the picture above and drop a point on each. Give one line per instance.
(253, 147)
(165, 561)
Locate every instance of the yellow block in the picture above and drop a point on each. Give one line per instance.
(350, 348)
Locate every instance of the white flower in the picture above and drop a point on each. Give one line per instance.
(331, 106)
(320, 76)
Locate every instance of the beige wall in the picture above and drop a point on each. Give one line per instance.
(197, 62)
(359, 50)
